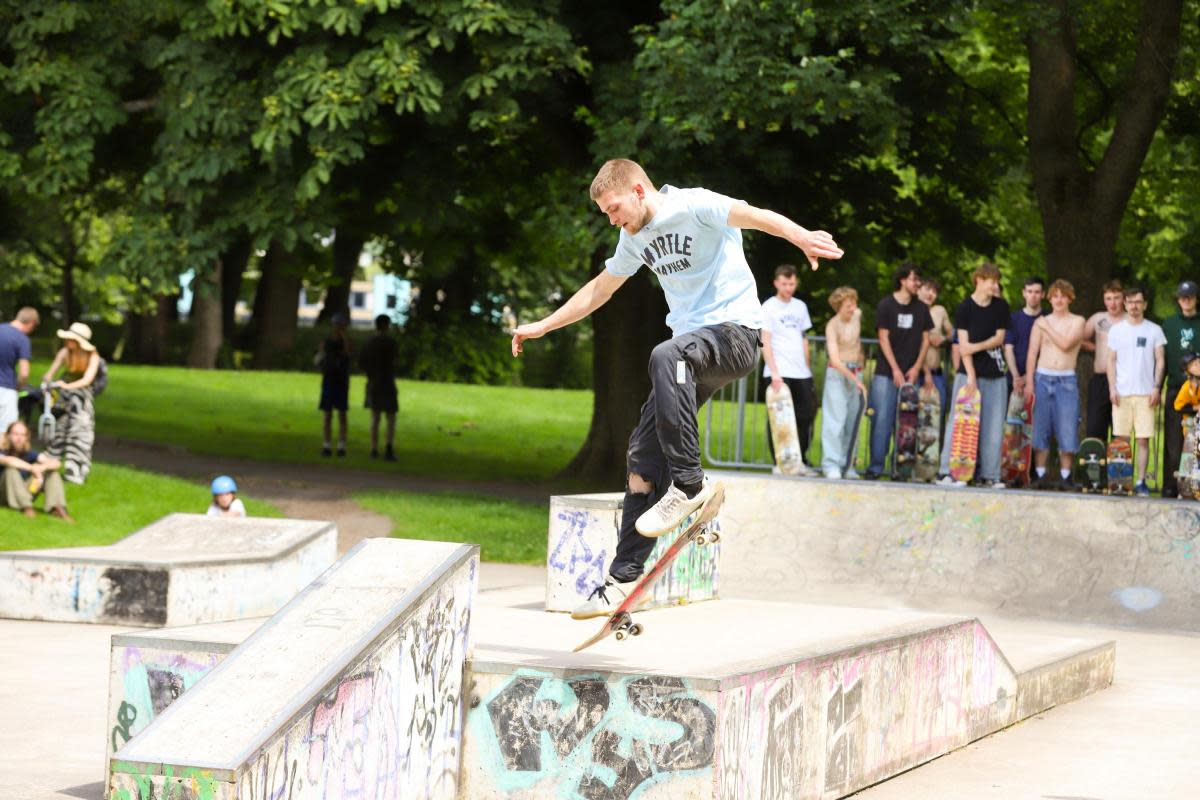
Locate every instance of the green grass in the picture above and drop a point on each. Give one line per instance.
(446, 431)
(114, 503)
(508, 531)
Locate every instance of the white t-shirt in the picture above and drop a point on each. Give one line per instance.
(237, 507)
(1133, 346)
(698, 258)
(787, 323)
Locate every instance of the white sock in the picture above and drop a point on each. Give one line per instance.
(1041, 471)
(1066, 473)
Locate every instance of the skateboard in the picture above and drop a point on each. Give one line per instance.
(1120, 467)
(620, 622)
(781, 416)
(1018, 440)
(852, 449)
(964, 440)
(1090, 471)
(929, 433)
(905, 456)
(1188, 466)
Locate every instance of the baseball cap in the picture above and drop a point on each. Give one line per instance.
(1187, 289)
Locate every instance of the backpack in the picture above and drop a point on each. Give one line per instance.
(100, 383)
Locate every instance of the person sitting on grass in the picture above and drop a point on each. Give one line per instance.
(225, 502)
(28, 473)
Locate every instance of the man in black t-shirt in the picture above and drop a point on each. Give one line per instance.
(903, 323)
(980, 322)
(378, 361)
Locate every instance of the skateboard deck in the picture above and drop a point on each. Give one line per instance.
(1017, 447)
(852, 449)
(1090, 466)
(929, 433)
(1120, 467)
(964, 440)
(621, 621)
(781, 416)
(1188, 486)
(904, 458)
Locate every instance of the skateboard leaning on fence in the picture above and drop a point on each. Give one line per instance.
(1120, 467)
(620, 622)
(1018, 440)
(904, 458)
(781, 417)
(852, 449)
(964, 439)
(929, 433)
(1090, 466)
(1188, 476)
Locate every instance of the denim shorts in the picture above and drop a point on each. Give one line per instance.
(1056, 411)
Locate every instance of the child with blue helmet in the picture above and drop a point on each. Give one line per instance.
(225, 502)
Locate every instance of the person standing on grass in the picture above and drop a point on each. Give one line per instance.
(28, 473)
(1050, 368)
(1095, 340)
(692, 239)
(980, 322)
(75, 432)
(378, 361)
(786, 353)
(1182, 330)
(903, 323)
(843, 382)
(1136, 366)
(333, 357)
(15, 355)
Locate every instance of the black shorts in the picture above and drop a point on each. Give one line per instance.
(381, 396)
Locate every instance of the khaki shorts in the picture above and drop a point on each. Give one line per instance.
(1134, 416)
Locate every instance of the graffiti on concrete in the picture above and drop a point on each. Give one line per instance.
(842, 711)
(592, 738)
(573, 554)
(148, 681)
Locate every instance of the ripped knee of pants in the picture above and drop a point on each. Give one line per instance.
(636, 484)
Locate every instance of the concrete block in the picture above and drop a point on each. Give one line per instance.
(183, 569)
(583, 540)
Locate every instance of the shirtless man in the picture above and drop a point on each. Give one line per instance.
(1053, 350)
(942, 332)
(1095, 340)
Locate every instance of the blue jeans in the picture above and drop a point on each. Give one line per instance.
(883, 402)
(839, 405)
(1056, 411)
(993, 397)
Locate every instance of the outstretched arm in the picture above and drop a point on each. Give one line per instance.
(594, 294)
(815, 244)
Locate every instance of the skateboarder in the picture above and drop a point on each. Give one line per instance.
(1137, 362)
(692, 239)
(939, 337)
(787, 357)
(1050, 365)
(980, 322)
(903, 324)
(1095, 340)
(1182, 330)
(1020, 332)
(843, 381)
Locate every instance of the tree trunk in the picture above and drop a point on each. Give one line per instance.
(147, 333)
(276, 301)
(625, 330)
(233, 267)
(347, 247)
(207, 334)
(68, 292)
(1082, 208)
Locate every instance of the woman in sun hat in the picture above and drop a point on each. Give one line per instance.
(76, 429)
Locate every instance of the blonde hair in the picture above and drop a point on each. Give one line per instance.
(618, 174)
(840, 295)
(986, 270)
(1063, 286)
(78, 359)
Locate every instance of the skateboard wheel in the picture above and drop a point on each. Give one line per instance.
(620, 635)
(714, 537)
(635, 629)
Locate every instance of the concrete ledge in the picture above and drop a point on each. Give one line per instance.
(745, 699)
(1089, 558)
(183, 569)
(356, 682)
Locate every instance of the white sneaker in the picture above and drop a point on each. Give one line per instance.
(851, 475)
(604, 599)
(833, 475)
(997, 485)
(808, 472)
(670, 510)
(950, 482)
